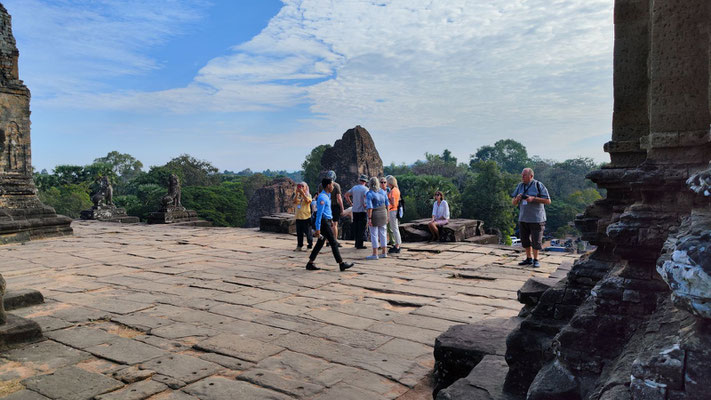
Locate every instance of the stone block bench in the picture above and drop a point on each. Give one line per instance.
(278, 223)
(457, 230)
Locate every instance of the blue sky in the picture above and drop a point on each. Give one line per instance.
(257, 84)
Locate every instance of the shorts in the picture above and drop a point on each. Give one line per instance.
(532, 234)
(336, 213)
(441, 222)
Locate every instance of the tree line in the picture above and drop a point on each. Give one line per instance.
(479, 189)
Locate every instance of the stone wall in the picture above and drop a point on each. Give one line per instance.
(611, 318)
(275, 198)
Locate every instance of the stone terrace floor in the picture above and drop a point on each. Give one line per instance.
(160, 312)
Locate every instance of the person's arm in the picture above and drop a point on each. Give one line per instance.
(541, 197)
(446, 210)
(434, 208)
(349, 197)
(516, 197)
(319, 214)
(339, 199)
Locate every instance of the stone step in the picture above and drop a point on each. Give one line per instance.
(15, 299)
(484, 382)
(462, 347)
(18, 330)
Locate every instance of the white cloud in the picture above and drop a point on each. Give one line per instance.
(536, 70)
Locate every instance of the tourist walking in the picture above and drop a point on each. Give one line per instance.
(336, 204)
(531, 196)
(302, 205)
(323, 226)
(376, 203)
(440, 215)
(356, 197)
(394, 201)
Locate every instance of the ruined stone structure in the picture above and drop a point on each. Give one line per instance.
(352, 155)
(104, 208)
(172, 210)
(275, 198)
(613, 317)
(22, 215)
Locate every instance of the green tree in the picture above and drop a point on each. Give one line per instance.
(124, 166)
(193, 172)
(311, 167)
(69, 199)
(223, 205)
(488, 198)
(418, 191)
(253, 183)
(511, 155)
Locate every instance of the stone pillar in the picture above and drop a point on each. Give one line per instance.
(22, 215)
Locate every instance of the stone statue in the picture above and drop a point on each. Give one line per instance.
(105, 195)
(3, 315)
(172, 210)
(172, 199)
(104, 208)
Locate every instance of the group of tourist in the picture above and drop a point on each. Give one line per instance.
(375, 204)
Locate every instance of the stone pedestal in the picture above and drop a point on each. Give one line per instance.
(177, 215)
(278, 223)
(108, 213)
(18, 330)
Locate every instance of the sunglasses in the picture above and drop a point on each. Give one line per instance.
(383, 182)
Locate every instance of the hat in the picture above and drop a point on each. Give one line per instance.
(363, 177)
(331, 175)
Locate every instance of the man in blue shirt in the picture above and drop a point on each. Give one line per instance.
(323, 226)
(356, 196)
(531, 197)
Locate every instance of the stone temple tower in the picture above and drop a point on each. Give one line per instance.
(22, 214)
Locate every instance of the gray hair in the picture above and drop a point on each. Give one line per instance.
(374, 184)
(529, 170)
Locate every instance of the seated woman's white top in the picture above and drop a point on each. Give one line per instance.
(441, 210)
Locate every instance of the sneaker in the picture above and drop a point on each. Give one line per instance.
(372, 257)
(344, 266)
(310, 246)
(536, 264)
(392, 250)
(397, 250)
(361, 247)
(312, 267)
(527, 261)
(382, 256)
(298, 248)
(339, 245)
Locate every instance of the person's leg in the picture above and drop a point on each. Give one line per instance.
(525, 231)
(316, 250)
(359, 220)
(383, 239)
(300, 232)
(395, 227)
(432, 228)
(309, 233)
(328, 234)
(374, 233)
(537, 241)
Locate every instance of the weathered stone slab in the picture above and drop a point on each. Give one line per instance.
(126, 351)
(462, 347)
(533, 289)
(238, 346)
(25, 395)
(182, 330)
(72, 383)
(48, 353)
(425, 336)
(218, 388)
(15, 299)
(81, 337)
(457, 230)
(182, 367)
(337, 318)
(132, 374)
(390, 366)
(18, 330)
(48, 323)
(343, 391)
(280, 382)
(484, 382)
(352, 337)
(278, 223)
(226, 361)
(135, 391)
